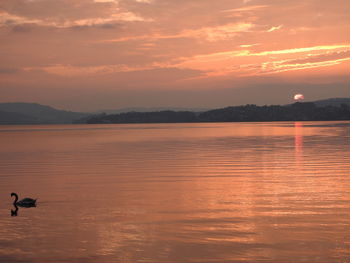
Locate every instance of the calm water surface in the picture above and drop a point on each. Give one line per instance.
(177, 193)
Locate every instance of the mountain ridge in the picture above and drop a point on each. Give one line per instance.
(299, 111)
(332, 102)
(35, 113)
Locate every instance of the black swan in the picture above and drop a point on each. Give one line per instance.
(25, 202)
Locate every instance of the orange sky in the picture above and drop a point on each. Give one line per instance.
(98, 54)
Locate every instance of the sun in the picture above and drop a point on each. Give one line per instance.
(298, 97)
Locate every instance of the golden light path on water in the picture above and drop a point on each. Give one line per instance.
(214, 192)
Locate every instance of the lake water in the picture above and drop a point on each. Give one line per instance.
(176, 193)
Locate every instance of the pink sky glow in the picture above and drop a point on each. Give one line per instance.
(98, 54)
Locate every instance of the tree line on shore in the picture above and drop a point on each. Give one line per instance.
(298, 111)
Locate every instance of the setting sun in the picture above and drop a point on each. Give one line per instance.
(298, 97)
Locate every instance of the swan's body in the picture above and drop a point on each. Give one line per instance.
(25, 202)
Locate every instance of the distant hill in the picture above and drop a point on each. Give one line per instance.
(337, 102)
(16, 118)
(150, 109)
(299, 111)
(145, 117)
(33, 113)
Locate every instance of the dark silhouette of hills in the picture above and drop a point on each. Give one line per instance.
(299, 111)
(16, 118)
(153, 109)
(146, 117)
(332, 102)
(306, 111)
(33, 113)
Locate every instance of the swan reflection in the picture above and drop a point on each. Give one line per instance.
(14, 212)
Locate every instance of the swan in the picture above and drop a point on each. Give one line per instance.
(25, 202)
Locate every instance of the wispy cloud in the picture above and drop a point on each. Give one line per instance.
(219, 32)
(9, 70)
(245, 9)
(248, 53)
(7, 19)
(248, 45)
(299, 50)
(145, 1)
(232, 62)
(212, 34)
(310, 61)
(329, 56)
(274, 28)
(106, 1)
(283, 66)
(76, 71)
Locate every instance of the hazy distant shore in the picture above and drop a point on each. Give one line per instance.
(33, 113)
(248, 113)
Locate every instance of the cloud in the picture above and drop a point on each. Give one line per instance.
(9, 70)
(297, 50)
(248, 45)
(245, 9)
(219, 32)
(7, 19)
(306, 62)
(278, 67)
(106, 1)
(329, 56)
(211, 34)
(227, 63)
(235, 62)
(274, 28)
(248, 53)
(145, 1)
(65, 13)
(76, 71)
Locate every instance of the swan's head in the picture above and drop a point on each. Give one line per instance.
(13, 194)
